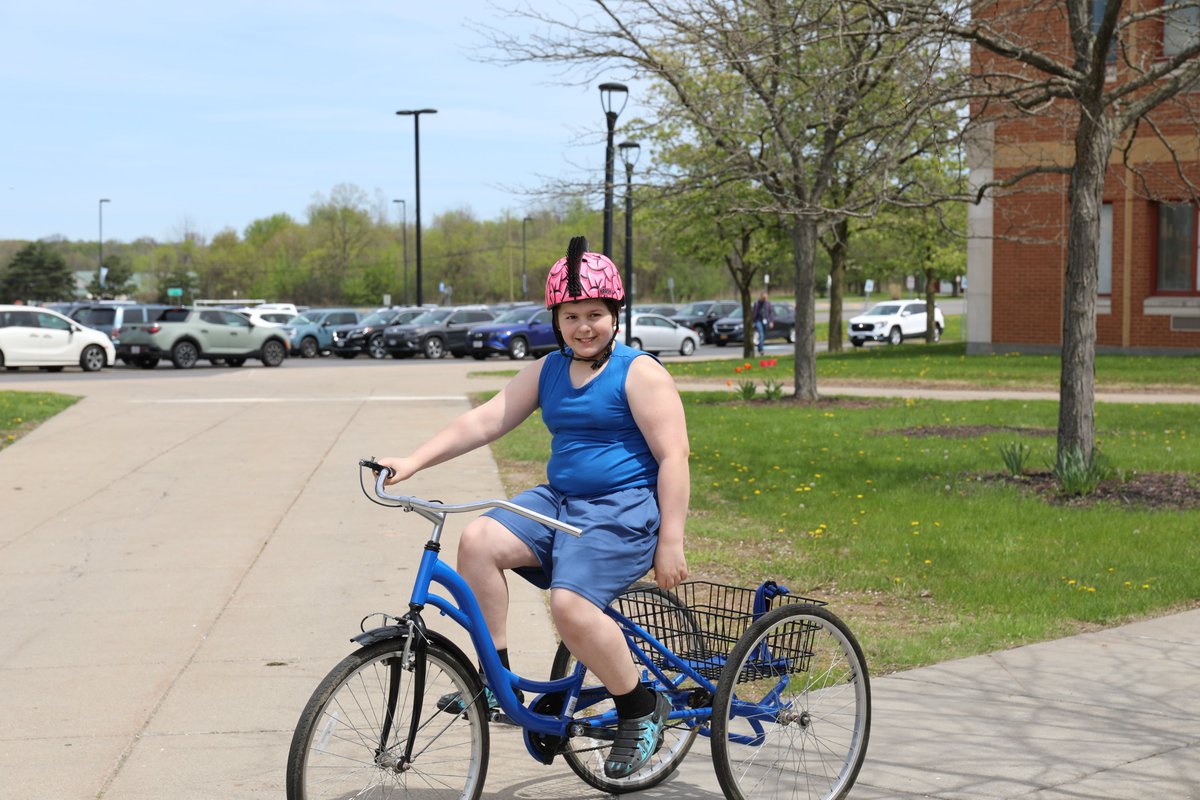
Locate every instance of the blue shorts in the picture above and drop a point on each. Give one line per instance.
(620, 535)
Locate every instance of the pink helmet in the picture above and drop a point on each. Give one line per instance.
(583, 276)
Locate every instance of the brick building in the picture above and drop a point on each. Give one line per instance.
(1149, 288)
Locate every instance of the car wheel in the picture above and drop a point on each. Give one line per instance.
(308, 347)
(687, 347)
(895, 336)
(273, 353)
(518, 348)
(857, 342)
(234, 362)
(184, 355)
(791, 337)
(937, 333)
(636, 344)
(701, 336)
(92, 358)
(757, 339)
(434, 348)
(375, 348)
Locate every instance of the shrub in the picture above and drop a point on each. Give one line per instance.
(1015, 455)
(1079, 475)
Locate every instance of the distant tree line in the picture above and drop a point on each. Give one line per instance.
(349, 252)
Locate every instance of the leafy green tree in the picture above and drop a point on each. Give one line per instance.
(37, 274)
(784, 92)
(118, 279)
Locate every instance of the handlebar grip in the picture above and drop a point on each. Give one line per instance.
(374, 467)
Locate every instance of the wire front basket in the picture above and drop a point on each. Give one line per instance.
(700, 622)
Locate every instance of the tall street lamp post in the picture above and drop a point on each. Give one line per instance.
(404, 245)
(629, 156)
(609, 94)
(416, 115)
(524, 279)
(100, 266)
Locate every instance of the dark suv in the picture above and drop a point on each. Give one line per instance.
(729, 329)
(701, 315)
(436, 332)
(366, 335)
(109, 318)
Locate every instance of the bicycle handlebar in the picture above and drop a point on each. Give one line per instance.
(434, 507)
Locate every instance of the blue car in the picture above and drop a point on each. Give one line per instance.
(311, 333)
(517, 332)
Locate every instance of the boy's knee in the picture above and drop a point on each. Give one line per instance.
(474, 541)
(571, 610)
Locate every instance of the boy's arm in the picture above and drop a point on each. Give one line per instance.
(658, 411)
(475, 428)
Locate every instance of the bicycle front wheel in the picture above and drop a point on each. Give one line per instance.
(792, 713)
(345, 746)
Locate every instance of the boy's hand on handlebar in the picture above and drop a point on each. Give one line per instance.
(399, 468)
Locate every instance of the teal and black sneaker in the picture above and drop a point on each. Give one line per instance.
(637, 740)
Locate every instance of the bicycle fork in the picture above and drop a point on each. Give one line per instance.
(414, 655)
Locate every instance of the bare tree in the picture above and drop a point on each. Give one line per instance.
(1053, 66)
(784, 91)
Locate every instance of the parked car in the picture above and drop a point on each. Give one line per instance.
(367, 335)
(267, 316)
(109, 318)
(518, 332)
(655, 333)
(893, 321)
(436, 332)
(665, 311)
(311, 334)
(39, 337)
(187, 335)
(731, 330)
(703, 314)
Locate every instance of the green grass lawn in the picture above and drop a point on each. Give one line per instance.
(909, 536)
(948, 364)
(21, 412)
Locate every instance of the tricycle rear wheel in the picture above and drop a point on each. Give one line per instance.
(792, 714)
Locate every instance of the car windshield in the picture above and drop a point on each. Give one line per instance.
(883, 310)
(431, 317)
(302, 320)
(515, 315)
(695, 309)
(378, 318)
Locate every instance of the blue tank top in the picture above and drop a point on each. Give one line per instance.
(596, 446)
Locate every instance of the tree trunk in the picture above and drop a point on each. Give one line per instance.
(837, 279)
(1077, 386)
(803, 231)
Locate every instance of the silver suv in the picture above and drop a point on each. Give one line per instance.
(109, 318)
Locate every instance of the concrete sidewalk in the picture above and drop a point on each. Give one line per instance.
(183, 556)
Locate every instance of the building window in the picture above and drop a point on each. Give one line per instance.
(1098, 7)
(1106, 250)
(1180, 29)
(1176, 248)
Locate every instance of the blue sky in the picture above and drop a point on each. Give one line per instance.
(206, 116)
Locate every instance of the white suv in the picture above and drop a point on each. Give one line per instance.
(893, 321)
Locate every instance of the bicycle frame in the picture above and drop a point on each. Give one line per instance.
(463, 609)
